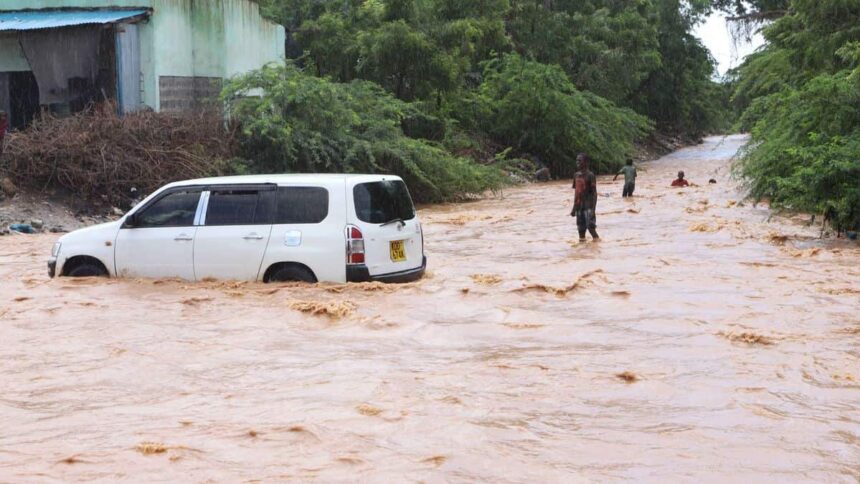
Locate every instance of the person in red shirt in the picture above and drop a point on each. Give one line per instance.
(680, 182)
(585, 198)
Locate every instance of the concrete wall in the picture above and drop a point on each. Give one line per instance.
(183, 38)
(11, 55)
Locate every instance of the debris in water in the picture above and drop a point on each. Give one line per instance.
(22, 299)
(151, 448)
(194, 301)
(633, 210)
(158, 282)
(374, 286)
(72, 459)
(524, 325)
(620, 293)
(704, 227)
(747, 337)
(759, 264)
(465, 290)
(731, 203)
(296, 429)
(805, 253)
(334, 310)
(253, 434)
(368, 410)
(486, 279)
(628, 377)
(776, 238)
(560, 291)
(436, 460)
(839, 291)
(464, 219)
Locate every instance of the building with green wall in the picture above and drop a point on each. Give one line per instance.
(167, 55)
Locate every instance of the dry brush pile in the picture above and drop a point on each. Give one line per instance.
(101, 156)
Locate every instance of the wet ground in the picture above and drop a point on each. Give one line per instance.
(698, 341)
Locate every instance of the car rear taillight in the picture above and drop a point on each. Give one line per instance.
(354, 245)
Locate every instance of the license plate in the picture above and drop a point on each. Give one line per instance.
(398, 250)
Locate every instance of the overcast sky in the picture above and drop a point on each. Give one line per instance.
(717, 37)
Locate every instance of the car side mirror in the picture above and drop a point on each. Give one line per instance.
(131, 221)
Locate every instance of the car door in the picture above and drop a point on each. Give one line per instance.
(308, 230)
(158, 239)
(234, 232)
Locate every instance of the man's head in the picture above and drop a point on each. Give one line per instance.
(629, 162)
(680, 175)
(581, 161)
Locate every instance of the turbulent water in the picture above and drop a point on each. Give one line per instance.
(698, 340)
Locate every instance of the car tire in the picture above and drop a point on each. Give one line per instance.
(292, 274)
(87, 269)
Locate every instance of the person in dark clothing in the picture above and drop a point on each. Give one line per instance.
(629, 172)
(585, 198)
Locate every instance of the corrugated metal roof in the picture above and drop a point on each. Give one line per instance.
(49, 19)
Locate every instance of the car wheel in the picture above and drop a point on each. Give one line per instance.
(292, 273)
(87, 269)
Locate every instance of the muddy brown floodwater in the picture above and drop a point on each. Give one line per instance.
(698, 340)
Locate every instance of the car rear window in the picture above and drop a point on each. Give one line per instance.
(383, 201)
(301, 205)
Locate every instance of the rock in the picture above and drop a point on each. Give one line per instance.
(117, 211)
(8, 187)
(57, 230)
(37, 223)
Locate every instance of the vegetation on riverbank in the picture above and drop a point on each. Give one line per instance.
(456, 97)
(800, 98)
(453, 96)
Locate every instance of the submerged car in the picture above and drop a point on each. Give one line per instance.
(332, 228)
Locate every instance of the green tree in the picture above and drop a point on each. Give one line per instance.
(296, 122)
(536, 109)
(801, 95)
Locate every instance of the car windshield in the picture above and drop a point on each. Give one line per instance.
(383, 201)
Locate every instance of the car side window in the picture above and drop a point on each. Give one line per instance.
(175, 209)
(301, 205)
(238, 207)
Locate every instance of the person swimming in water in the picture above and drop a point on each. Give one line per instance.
(680, 182)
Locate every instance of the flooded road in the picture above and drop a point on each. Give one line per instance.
(698, 340)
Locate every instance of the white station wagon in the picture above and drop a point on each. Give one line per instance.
(335, 228)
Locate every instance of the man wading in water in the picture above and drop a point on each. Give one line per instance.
(629, 172)
(585, 198)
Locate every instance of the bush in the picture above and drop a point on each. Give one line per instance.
(294, 122)
(534, 108)
(97, 154)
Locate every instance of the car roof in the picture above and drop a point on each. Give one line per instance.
(284, 178)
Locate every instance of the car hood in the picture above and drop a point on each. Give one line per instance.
(104, 230)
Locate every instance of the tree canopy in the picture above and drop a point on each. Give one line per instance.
(800, 99)
(498, 82)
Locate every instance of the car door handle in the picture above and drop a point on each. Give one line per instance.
(253, 237)
(183, 238)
